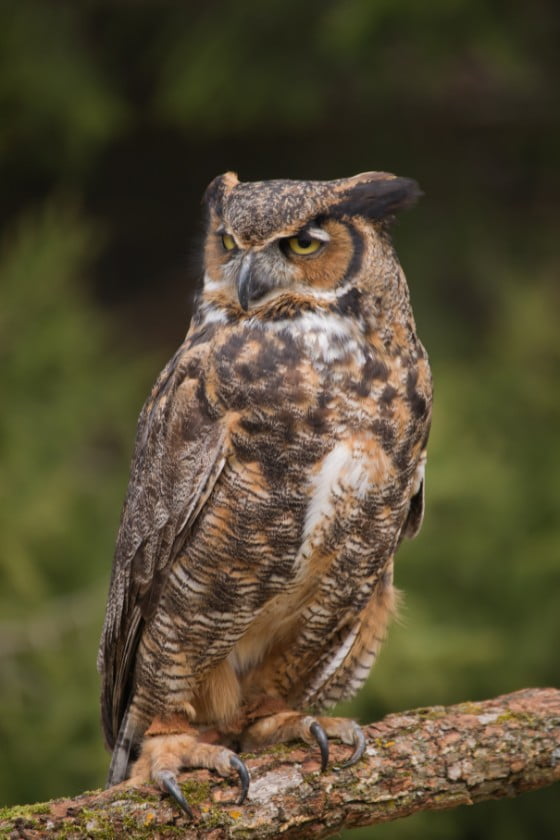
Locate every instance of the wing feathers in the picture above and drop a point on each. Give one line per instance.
(173, 475)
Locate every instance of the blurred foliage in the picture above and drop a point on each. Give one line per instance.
(113, 117)
(290, 68)
(64, 442)
(55, 102)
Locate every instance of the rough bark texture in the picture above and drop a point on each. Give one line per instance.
(426, 759)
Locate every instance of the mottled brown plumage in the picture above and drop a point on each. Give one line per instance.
(279, 461)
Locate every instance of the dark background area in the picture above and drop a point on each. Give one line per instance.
(113, 119)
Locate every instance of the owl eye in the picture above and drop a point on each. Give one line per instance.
(228, 242)
(303, 245)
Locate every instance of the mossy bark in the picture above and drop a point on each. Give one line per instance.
(425, 759)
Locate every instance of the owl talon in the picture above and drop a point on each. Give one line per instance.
(359, 744)
(167, 780)
(321, 737)
(237, 764)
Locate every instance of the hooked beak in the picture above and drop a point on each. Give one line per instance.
(252, 283)
(244, 280)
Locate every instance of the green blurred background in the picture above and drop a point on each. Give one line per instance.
(113, 118)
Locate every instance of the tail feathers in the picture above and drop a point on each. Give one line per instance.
(125, 750)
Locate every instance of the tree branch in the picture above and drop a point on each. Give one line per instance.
(426, 759)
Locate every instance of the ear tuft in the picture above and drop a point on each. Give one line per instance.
(379, 198)
(217, 189)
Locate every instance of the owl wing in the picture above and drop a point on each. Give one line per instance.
(415, 514)
(179, 454)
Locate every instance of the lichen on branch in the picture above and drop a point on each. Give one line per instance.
(426, 759)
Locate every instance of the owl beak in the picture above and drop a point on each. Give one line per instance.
(245, 283)
(253, 282)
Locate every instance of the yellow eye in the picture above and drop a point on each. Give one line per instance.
(228, 242)
(303, 245)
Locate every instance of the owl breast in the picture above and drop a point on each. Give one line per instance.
(311, 501)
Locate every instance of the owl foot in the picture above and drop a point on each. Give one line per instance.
(348, 732)
(293, 726)
(163, 756)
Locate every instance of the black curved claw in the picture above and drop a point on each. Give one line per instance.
(359, 747)
(169, 782)
(321, 737)
(244, 777)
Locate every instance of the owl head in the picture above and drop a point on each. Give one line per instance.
(314, 238)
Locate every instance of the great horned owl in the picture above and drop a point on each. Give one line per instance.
(279, 462)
